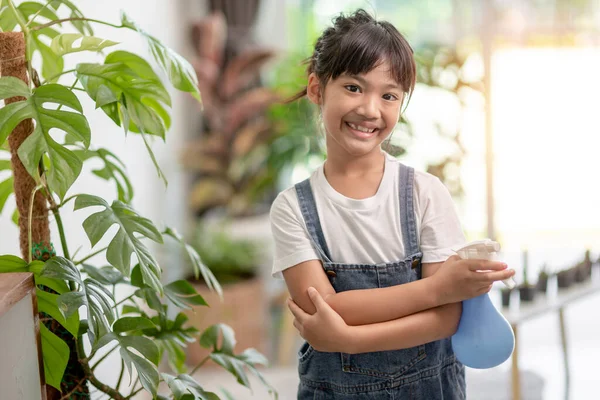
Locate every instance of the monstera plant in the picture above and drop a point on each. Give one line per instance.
(83, 321)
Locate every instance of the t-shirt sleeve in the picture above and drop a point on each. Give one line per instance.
(440, 229)
(292, 244)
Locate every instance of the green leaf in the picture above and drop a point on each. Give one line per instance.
(197, 264)
(58, 285)
(11, 87)
(61, 268)
(147, 372)
(145, 367)
(211, 335)
(150, 297)
(65, 166)
(65, 43)
(6, 189)
(184, 387)
(180, 72)
(55, 353)
(83, 27)
(109, 83)
(47, 303)
(30, 8)
(15, 217)
(183, 295)
(7, 20)
(107, 275)
(91, 294)
(11, 263)
(224, 356)
(127, 324)
(124, 243)
(52, 64)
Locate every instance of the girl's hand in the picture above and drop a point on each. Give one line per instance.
(325, 330)
(459, 279)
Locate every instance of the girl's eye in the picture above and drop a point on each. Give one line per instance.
(352, 88)
(390, 97)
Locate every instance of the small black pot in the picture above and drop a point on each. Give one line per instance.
(565, 278)
(506, 296)
(527, 293)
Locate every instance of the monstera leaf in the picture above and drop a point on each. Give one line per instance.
(146, 365)
(91, 294)
(198, 266)
(125, 242)
(180, 72)
(139, 97)
(74, 42)
(184, 387)
(82, 27)
(64, 165)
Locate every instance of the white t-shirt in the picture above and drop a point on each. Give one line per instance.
(366, 231)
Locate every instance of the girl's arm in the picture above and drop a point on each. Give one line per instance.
(327, 331)
(456, 280)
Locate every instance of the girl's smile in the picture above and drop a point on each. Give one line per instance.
(359, 111)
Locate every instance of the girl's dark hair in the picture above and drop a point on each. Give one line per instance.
(356, 44)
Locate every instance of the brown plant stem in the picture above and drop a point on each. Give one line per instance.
(112, 393)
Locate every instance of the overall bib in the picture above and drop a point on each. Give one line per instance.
(426, 372)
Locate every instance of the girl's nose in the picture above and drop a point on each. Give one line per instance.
(369, 108)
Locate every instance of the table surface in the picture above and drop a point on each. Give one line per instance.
(552, 300)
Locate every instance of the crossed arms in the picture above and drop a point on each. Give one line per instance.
(395, 317)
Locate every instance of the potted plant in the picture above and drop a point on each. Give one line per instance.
(242, 304)
(526, 290)
(229, 157)
(584, 268)
(565, 278)
(506, 293)
(148, 324)
(542, 282)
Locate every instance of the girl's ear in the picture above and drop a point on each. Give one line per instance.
(313, 89)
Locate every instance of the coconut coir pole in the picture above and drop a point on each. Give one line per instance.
(12, 63)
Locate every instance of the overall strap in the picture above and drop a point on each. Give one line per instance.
(308, 206)
(407, 210)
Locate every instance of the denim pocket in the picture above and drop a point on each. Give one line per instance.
(388, 364)
(305, 352)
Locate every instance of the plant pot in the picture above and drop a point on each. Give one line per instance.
(565, 278)
(243, 309)
(542, 283)
(527, 293)
(580, 272)
(506, 293)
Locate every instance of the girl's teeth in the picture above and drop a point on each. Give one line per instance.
(360, 128)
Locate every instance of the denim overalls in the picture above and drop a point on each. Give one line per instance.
(426, 372)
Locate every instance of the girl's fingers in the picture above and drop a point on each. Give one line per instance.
(497, 275)
(485, 265)
(298, 313)
(297, 325)
(316, 298)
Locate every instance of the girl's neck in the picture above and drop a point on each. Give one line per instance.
(354, 167)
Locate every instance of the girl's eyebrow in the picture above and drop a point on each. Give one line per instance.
(364, 82)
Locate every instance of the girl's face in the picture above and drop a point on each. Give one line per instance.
(359, 112)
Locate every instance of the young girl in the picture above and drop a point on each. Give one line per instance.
(365, 244)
